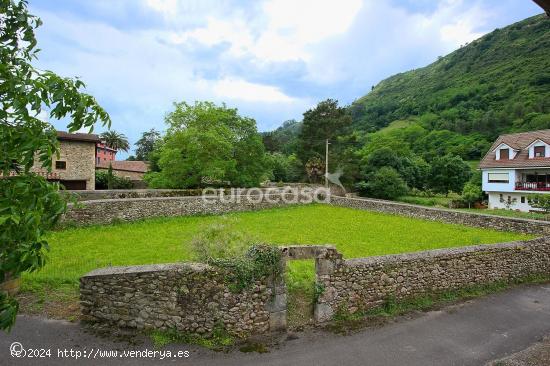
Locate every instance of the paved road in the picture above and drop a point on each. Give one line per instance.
(468, 334)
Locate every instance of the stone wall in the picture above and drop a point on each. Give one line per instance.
(132, 209)
(131, 175)
(148, 193)
(536, 227)
(105, 194)
(364, 283)
(189, 297)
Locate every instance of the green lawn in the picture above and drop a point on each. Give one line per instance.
(510, 213)
(355, 233)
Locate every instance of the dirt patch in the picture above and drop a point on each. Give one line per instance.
(62, 303)
(300, 309)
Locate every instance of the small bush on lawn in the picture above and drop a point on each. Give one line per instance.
(245, 259)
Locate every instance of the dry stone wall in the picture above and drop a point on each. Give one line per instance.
(132, 209)
(360, 284)
(189, 297)
(536, 227)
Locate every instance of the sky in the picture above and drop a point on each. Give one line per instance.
(271, 59)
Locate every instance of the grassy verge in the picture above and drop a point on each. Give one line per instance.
(218, 340)
(437, 200)
(509, 213)
(300, 282)
(59, 302)
(344, 321)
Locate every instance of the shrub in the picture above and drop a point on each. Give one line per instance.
(243, 258)
(102, 181)
(471, 193)
(541, 201)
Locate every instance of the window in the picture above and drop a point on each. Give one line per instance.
(539, 151)
(504, 154)
(501, 197)
(522, 199)
(62, 165)
(498, 178)
(98, 159)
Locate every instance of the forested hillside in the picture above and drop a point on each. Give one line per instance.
(458, 104)
(420, 122)
(498, 83)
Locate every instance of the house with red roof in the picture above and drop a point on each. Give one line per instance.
(516, 166)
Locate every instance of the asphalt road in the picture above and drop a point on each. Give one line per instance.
(471, 333)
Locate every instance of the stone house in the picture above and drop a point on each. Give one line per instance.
(132, 170)
(75, 166)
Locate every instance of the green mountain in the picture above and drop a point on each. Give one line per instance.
(497, 83)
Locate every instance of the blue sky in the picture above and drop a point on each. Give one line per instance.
(271, 59)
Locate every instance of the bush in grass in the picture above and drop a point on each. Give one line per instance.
(245, 259)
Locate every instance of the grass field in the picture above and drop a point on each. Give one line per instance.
(355, 233)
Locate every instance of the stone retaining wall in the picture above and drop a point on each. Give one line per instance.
(527, 226)
(189, 297)
(364, 283)
(132, 209)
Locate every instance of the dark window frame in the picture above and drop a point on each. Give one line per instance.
(541, 150)
(60, 165)
(507, 154)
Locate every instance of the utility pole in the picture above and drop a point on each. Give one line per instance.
(326, 163)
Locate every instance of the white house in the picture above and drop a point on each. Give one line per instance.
(516, 166)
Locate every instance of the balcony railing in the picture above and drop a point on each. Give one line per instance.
(532, 186)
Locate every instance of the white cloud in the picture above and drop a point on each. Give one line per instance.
(272, 59)
(250, 92)
(168, 8)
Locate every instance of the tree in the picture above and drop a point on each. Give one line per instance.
(280, 167)
(384, 183)
(413, 169)
(315, 169)
(208, 144)
(115, 140)
(284, 139)
(146, 144)
(471, 193)
(325, 121)
(110, 177)
(448, 174)
(29, 205)
(541, 201)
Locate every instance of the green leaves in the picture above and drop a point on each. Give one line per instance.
(115, 140)
(29, 205)
(209, 145)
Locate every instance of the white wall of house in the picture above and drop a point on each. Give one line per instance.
(538, 143)
(515, 198)
(511, 152)
(509, 186)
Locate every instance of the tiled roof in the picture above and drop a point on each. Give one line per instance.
(86, 137)
(125, 165)
(520, 142)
